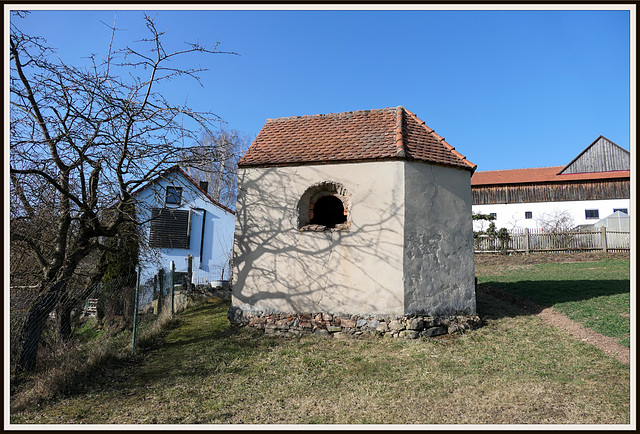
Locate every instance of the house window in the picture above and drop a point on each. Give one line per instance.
(528, 215)
(170, 228)
(591, 214)
(624, 210)
(173, 196)
(494, 215)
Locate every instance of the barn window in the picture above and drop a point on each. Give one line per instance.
(624, 210)
(169, 228)
(528, 215)
(324, 206)
(591, 214)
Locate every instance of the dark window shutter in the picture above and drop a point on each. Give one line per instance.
(169, 228)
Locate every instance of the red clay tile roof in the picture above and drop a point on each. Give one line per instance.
(538, 175)
(389, 133)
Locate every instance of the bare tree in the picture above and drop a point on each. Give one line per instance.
(82, 141)
(220, 169)
(559, 224)
(556, 221)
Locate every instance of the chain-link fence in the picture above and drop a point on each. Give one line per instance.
(44, 324)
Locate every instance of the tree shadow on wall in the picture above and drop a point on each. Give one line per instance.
(282, 265)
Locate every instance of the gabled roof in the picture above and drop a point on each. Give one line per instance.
(602, 159)
(178, 169)
(602, 155)
(390, 133)
(539, 175)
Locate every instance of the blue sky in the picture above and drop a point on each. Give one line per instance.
(508, 89)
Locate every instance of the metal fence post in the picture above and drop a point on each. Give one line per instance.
(135, 313)
(188, 284)
(160, 290)
(171, 279)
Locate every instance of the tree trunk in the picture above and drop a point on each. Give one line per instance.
(64, 310)
(36, 319)
(63, 318)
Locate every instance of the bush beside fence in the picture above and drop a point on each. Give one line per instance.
(538, 240)
(102, 312)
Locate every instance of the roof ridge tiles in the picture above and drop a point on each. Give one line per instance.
(399, 142)
(282, 118)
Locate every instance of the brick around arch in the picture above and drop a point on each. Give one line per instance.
(310, 197)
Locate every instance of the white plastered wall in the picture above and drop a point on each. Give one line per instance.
(438, 264)
(278, 268)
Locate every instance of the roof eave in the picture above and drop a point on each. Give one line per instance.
(558, 180)
(470, 167)
(176, 168)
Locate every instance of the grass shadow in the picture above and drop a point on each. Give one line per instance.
(494, 305)
(600, 305)
(548, 293)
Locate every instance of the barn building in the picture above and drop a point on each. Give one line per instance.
(365, 212)
(592, 186)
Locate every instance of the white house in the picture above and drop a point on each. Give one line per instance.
(365, 212)
(592, 186)
(181, 220)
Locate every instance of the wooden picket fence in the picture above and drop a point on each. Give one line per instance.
(537, 240)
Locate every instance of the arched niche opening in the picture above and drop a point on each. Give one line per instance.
(328, 211)
(324, 206)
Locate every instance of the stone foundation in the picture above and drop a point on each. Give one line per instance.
(338, 325)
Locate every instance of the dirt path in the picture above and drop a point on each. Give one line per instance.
(577, 330)
(608, 345)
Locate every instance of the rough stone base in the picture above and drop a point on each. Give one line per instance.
(338, 325)
(183, 299)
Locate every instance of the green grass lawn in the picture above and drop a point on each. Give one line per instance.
(514, 370)
(595, 294)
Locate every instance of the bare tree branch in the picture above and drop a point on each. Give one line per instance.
(84, 139)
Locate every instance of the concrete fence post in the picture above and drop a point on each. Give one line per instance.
(603, 237)
(188, 285)
(526, 240)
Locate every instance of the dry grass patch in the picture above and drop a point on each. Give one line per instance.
(593, 293)
(515, 370)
